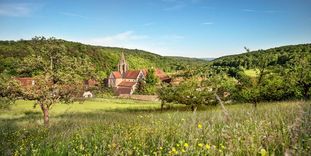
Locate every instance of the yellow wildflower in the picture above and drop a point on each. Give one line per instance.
(263, 152)
(186, 145)
(183, 151)
(199, 126)
(207, 146)
(200, 145)
(173, 149)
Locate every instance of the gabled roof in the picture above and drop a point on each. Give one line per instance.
(145, 71)
(117, 74)
(132, 74)
(160, 73)
(126, 84)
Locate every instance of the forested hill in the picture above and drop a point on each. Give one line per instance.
(275, 56)
(104, 59)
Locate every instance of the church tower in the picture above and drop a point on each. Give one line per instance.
(122, 66)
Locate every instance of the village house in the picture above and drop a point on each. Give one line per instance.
(124, 81)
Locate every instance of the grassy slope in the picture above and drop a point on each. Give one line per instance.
(128, 127)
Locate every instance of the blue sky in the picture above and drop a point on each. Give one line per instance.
(192, 28)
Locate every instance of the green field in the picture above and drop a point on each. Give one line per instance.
(129, 127)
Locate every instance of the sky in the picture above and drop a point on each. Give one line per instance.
(190, 28)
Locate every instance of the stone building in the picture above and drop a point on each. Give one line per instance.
(124, 81)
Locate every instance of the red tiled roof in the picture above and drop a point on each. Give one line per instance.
(126, 84)
(132, 74)
(160, 73)
(124, 90)
(116, 74)
(25, 81)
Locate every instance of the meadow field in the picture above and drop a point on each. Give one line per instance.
(129, 127)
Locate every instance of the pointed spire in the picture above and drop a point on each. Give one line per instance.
(122, 56)
(122, 66)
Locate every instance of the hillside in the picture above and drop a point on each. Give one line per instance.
(277, 56)
(104, 59)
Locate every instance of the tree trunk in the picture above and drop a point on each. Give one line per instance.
(194, 108)
(306, 88)
(162, 105)
(45, 111)
(222, 107)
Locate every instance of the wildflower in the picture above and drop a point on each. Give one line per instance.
(177, 145)
(263, 152)
(207, 146)
(220, 151)
(200, 145)
(222, 146)
(199, 126)
(186, 145)
(183, 151)
(161, 148)
(174, 151)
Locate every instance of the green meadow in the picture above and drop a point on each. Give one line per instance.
(130, 127)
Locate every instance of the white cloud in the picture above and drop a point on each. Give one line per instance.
(73, 15)
(248, 10)
(173, 37)
(175, 7)
(16, 9)
(148, 24)
(207, 23)
(120, 39)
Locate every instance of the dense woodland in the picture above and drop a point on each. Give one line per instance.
(104, 59)
(276, 56)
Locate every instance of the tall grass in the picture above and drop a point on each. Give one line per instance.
(272, 128)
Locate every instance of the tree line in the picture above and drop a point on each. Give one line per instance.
(225, 79)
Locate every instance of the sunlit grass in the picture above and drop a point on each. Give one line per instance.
(129, 127)
(112, 104)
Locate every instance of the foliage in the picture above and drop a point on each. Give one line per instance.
(59, 78)
(147, 86)
(103, 59)
(277, 56)
(197, 91)
(281, 73)
(9, 91)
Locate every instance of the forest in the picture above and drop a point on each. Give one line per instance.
(103, 59)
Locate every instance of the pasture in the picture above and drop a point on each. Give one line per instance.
(129, 127)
